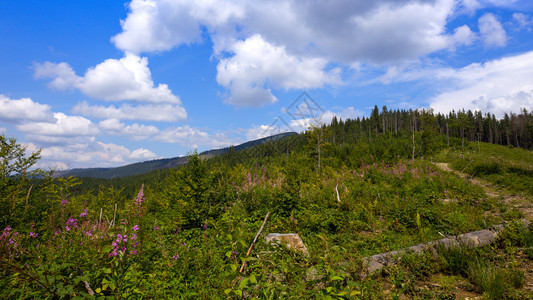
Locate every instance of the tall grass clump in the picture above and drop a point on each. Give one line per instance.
(491, 279)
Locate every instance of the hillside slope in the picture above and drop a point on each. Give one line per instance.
(152, 165)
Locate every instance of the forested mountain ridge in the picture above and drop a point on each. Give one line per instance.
(164, 163)
(511, 130)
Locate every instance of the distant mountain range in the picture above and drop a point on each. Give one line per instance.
(148, 166)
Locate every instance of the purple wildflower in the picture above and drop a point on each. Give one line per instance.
(33, 235)
(6, 231)
(64, 202)
(84, 213)
(140, 196)
(71, 222)
(135, 228)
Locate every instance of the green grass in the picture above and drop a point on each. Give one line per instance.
(507, 167)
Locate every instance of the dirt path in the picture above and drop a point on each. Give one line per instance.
(525, 205)
(514, 200)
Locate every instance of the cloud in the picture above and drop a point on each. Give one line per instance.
(151, 112)
(24, 110)
(89, 154)
(267, 45)
(462, 36)
(65, 126)
(195, 138)
(134, 131)
(262, 131)
(142, 154)
(128, 78)
(257, 62)
(497, 86)
(523, 21)
(469, 6)
(491, 31)
(299, 125)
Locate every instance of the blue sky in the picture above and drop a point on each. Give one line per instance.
(107, 83)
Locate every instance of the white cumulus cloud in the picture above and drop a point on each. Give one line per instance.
(497, 86)
(257, 62)
(266, 45)
(462, 36)
(134, 131)
(90, 154)
(491, 31)
(149, 112)
(64, 126)
(142, 154)
(195, 138)
(128, 78)
(24, 110)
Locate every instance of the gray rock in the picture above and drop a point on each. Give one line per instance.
(291, 240)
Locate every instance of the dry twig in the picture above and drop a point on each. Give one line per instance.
(255, 240)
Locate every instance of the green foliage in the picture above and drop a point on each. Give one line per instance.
(14, 174)
(187, 232)
(502, 166)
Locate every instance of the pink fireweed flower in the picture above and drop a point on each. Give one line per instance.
(33, 235)
(71, 222)
(135, 228)
(64, 202)
(84, 213)
(176, 256)
(6, 231)
(140, 196)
